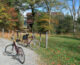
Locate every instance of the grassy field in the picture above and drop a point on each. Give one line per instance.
(62, 50)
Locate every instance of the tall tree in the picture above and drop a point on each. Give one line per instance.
(5, 17)
(32, 4)
(51, 5)
(74, 11)
(42, 25)
(78, 12)
(9, 16)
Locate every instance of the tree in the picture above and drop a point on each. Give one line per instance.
(4, 17)
(8, 17)
(42, 22)
(41, 25)
(78, 20)
(75, 12)
(33, 4)
(51, 5)
(64, 24)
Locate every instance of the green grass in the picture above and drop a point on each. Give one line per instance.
(61, 50)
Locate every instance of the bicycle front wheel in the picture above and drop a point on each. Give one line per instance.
(9, 50)
(21, 55)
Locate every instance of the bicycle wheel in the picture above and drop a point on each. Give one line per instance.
(34, 44)
(10, 50)
(21, 55)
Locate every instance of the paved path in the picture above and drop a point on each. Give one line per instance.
(31, 57)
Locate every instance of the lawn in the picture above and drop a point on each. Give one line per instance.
(62, 50)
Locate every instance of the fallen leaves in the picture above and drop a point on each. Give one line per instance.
(53, 63)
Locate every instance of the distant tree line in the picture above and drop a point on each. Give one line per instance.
(60, 23)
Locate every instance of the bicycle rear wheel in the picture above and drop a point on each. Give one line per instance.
(21, 55)
(10, 50)
(34, 44)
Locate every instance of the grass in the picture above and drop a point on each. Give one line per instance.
(62, 50)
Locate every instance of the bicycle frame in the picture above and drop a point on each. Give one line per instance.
(16, 48)
(28, 43)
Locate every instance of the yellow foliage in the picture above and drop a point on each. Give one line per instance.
(3, 9)
(47, 20)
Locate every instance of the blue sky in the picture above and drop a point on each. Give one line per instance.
(77, 4)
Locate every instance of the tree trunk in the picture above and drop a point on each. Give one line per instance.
(74, 15)
(40, 40)
(46, 39)
(3, 32)
(49, 12)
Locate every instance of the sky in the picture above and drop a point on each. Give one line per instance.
(65, 11)
(27, 11)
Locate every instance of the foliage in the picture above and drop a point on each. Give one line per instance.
(8, 17)
(78, 24)
(63, 24)
(70, 6)
(78, 20)
(20, 23)
(41, 24)
(4, 16)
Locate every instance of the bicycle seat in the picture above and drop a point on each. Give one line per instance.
(18, 40)
(25, 36)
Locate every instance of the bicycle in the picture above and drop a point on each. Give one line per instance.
(32, 42)
(14, 50)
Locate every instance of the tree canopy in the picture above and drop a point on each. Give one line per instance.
(8, 17)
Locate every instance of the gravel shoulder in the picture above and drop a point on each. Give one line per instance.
(31, 58)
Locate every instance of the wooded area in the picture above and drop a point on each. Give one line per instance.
(51, 12)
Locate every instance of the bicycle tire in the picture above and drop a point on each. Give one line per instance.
(34, 44)
(21, 54)
(9, 49)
